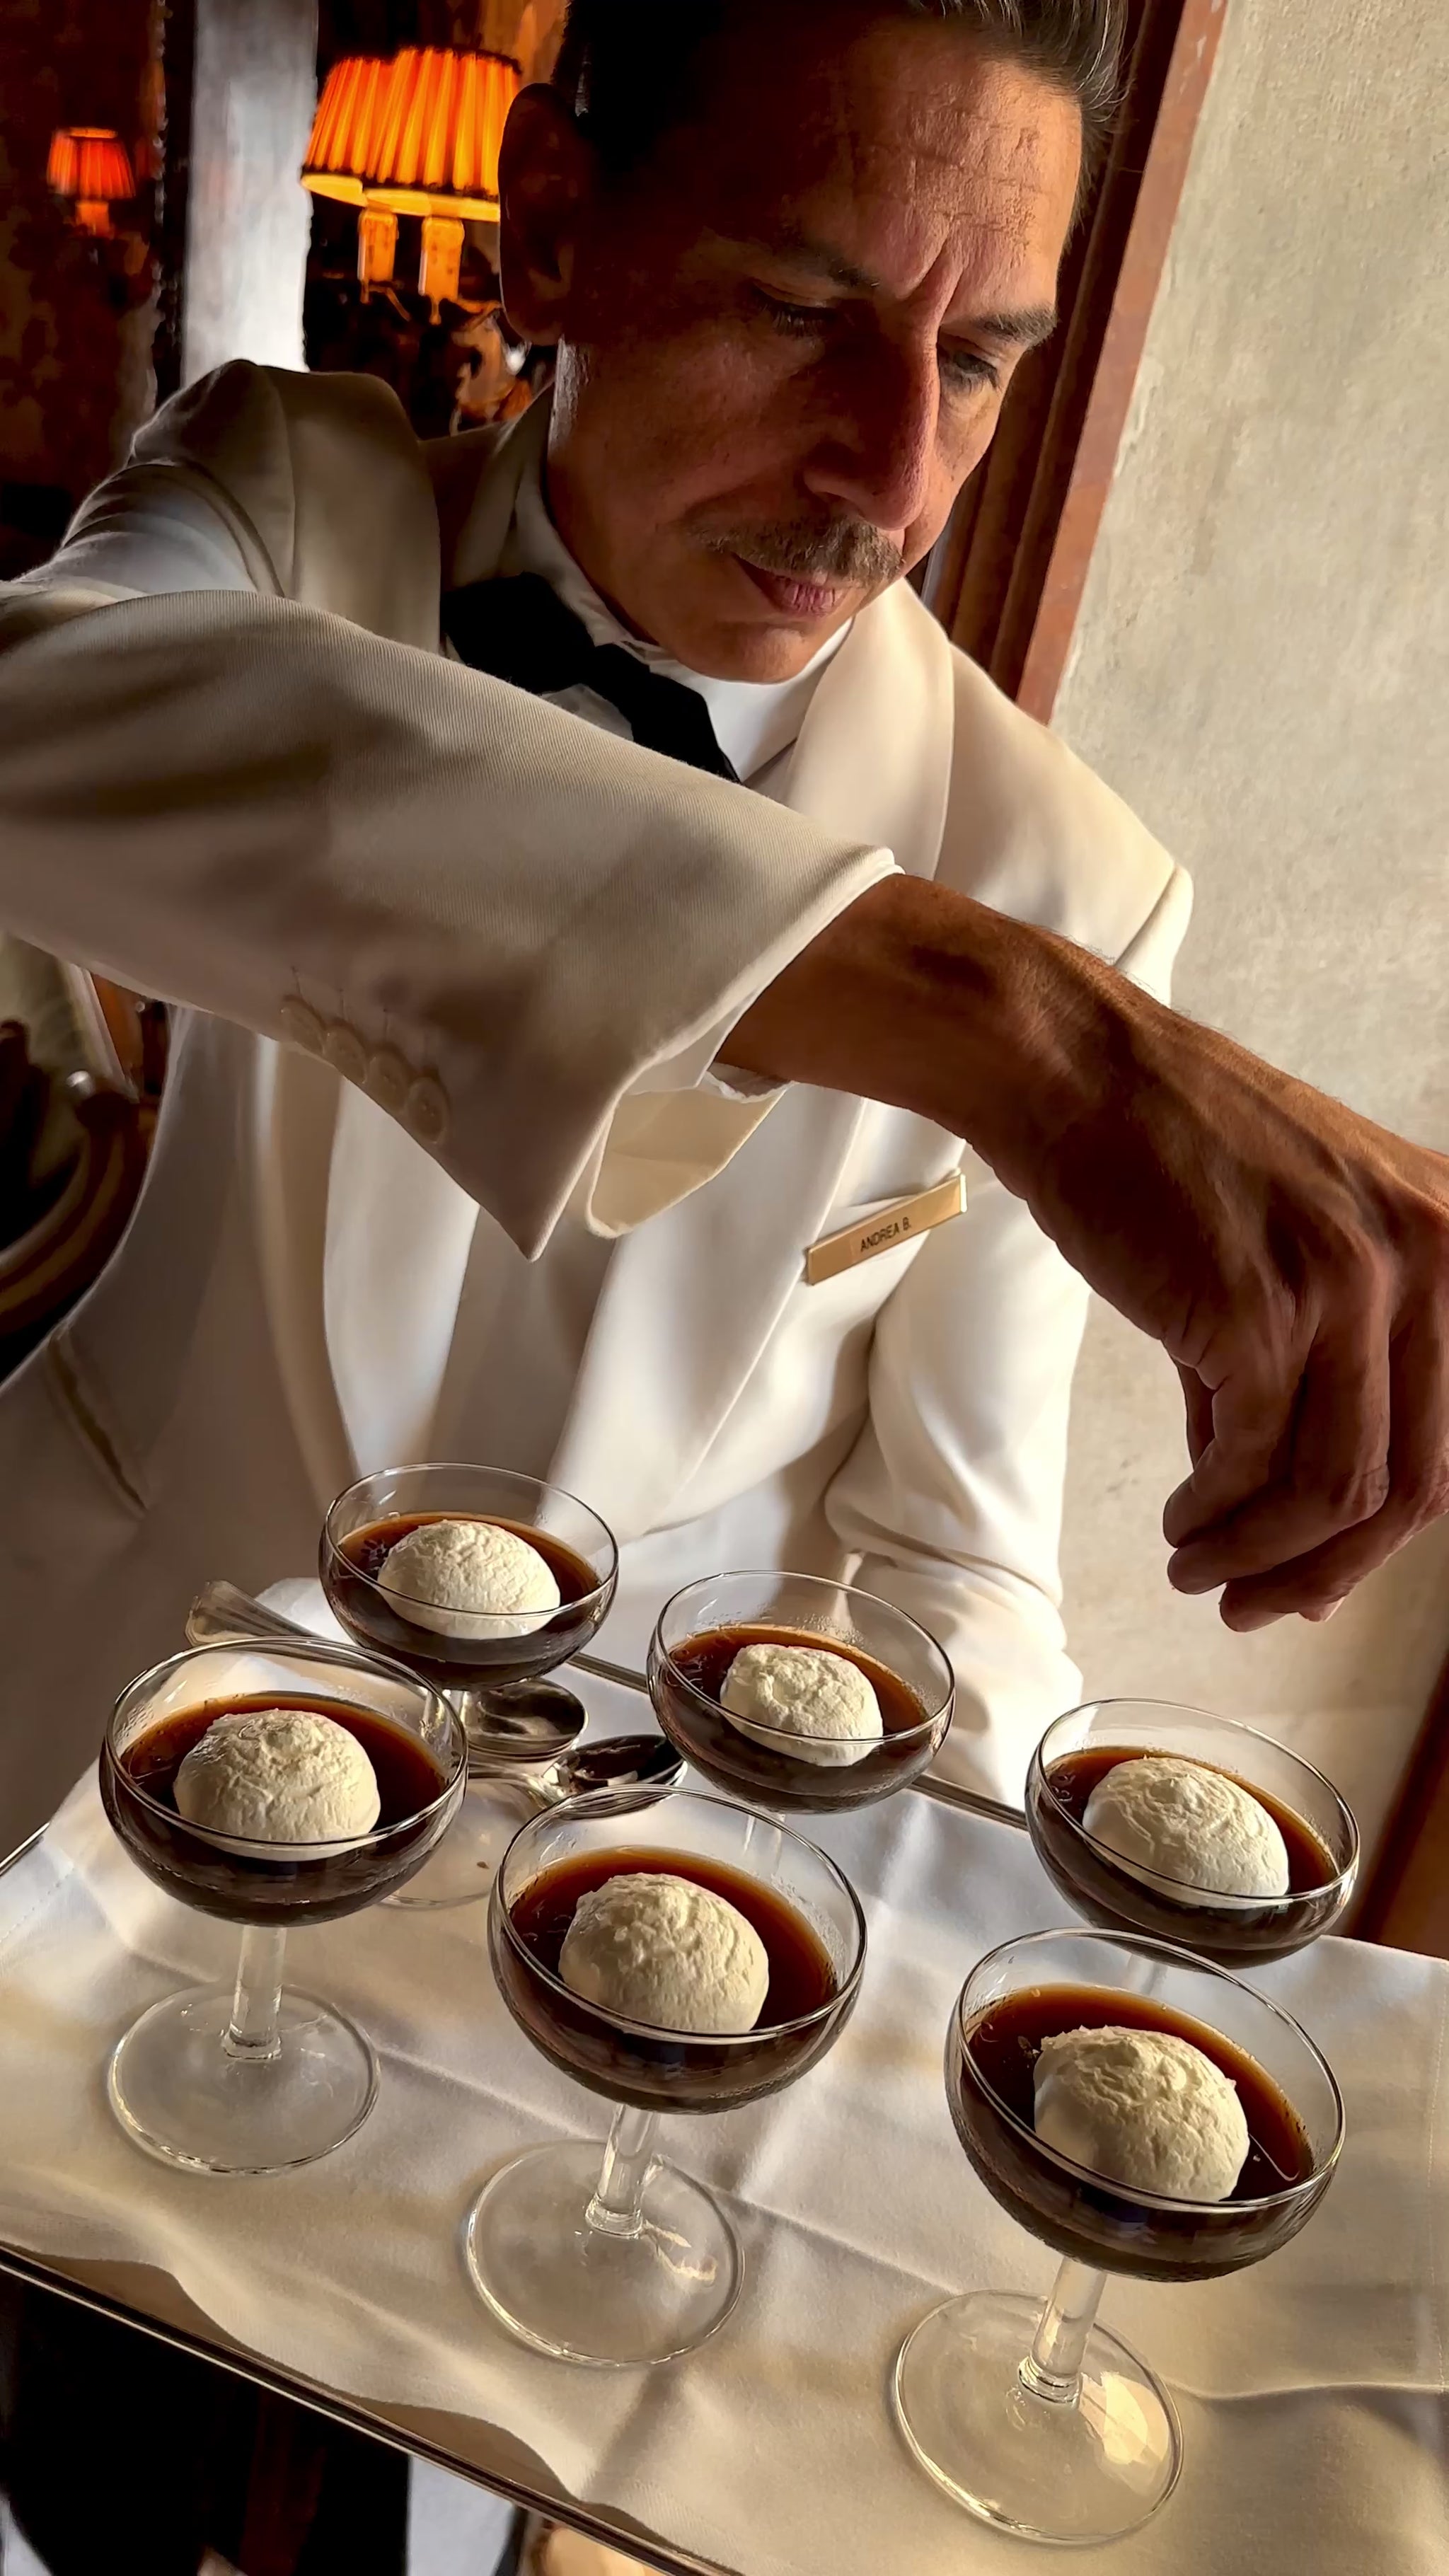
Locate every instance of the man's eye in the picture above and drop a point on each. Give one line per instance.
(965, 369)
(797, 321)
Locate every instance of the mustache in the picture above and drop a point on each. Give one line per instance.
(841, 550)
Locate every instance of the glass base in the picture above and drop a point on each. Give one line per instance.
(586, 2295)
(1043, 2469)
(461, 1868)
(179, 2093)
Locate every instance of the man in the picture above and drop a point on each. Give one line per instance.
(789, 260)
(746, 448)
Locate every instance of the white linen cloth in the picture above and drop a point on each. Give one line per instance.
(1312, 2390)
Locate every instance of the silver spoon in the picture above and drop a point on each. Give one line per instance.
(542, 1726)
(617, 1762)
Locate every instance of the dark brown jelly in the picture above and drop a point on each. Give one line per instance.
(685, 1687)
(992, 2073)
(272, 1885)
(664, 2070)
(350, 1568)
(1106, 1891)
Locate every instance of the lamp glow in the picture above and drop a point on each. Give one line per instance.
(89, 165)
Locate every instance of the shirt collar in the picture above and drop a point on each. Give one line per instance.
(754, 720)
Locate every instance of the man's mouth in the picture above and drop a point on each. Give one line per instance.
(802, 602)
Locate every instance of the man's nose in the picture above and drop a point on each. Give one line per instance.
(877, 436)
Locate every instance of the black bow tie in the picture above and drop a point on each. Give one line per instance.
(521, 631)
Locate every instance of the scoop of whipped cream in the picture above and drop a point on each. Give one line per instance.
(1184, 1820)
(469, 1579)
(278, 1775)
(656, 1948)
(822, 1702)
(1144, 2108)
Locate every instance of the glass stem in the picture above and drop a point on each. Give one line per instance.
(1052, 2369)
(252, 2031)
(477, 1710)
(617, 2207)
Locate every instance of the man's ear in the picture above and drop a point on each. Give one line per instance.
(546, 175)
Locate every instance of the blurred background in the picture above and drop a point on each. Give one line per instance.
(217, 251)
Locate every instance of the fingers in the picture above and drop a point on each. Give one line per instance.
(1334, 1477)
(1238, 1437)
(1417, 1492)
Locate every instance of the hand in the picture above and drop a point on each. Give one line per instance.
(1292, 1259)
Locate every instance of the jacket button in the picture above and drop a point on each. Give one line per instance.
(345, 1051)
(389, 1080)
(301, 1026)
(427, 1110)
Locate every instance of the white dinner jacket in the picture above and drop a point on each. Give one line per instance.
(909, 1416)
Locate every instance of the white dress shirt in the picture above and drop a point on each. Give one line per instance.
(444, 1340)
(755, 723)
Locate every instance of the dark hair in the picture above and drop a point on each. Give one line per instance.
(626, 67)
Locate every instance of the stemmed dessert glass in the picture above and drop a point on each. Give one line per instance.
(702, 1629)
(1041, 2421)
(635, 2262)
(246, 2078)
(1318, 1830)
(492, 1667)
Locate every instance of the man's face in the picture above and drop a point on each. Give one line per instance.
(783, 345)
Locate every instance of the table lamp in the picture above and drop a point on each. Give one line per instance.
(338, 151)
(419, 135)
(435, 152)
(90, 166)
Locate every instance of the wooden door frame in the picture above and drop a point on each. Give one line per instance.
(1405, 1899)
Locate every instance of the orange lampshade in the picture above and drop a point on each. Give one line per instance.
(417, 136)
(341, 139)
(440, 125)
(90, 165)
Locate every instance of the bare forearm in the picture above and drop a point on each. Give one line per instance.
(928, 1001)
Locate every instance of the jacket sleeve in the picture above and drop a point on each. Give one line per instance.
(235, 798)
(952, 1496)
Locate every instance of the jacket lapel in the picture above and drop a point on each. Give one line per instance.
(475, 481)
(692, 1298)
(873, 761)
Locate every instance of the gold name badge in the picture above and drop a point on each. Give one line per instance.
(888, 1227)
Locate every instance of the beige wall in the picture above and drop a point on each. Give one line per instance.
(1262, 669)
